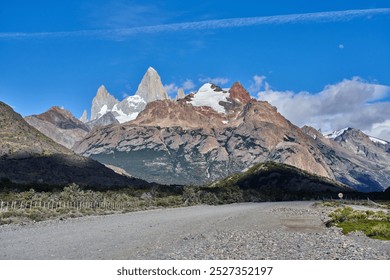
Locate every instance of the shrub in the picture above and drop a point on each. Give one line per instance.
(209, 198)
(340, 215)
(381, 216)
(381, 230)
(191, 195)
(36, 215)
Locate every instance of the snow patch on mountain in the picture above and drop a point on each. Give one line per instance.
(103, 111)
(209, 95)
(380, 141)
(336, 133)
(134, 101)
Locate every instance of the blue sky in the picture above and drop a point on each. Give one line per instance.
(60, 52)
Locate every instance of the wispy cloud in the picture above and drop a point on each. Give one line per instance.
(188, 84)
(332, 16)
(116, 14)
(219, 81)
(258, 84)
(172, 88)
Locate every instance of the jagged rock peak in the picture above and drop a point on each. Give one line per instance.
(84, 117)
(180, 94)
(102, 92)
(106, 119)
(238, 92)
(151, 69)
(102, 103)
(151, 87)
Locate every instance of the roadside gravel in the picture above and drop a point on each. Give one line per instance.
(278, 230)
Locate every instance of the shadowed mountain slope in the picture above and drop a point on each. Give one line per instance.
(29, 157)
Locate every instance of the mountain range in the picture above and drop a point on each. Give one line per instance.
(209, 134)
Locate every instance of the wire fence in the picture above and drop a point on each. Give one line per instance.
(105, 204)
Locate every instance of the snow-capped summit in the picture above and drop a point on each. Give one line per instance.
(151, 88)
(336, 133)
(129, 108)
(333, 135)
(210, 95)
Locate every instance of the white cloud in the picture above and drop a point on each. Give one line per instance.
(171, 88)
(349, 103)
(188, 85)
(380, 130)
(219, 81)
(341, 46)
(258, 84)
(122, 33)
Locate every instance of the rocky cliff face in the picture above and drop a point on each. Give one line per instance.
(29, 157)
(239, 93)
(106, 119)
(102, 103)
(84, 117)
(59, 125)
(354, 158)
(151, 88)
(180, 94)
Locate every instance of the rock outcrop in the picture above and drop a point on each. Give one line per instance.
(239, 93)
(151, 88)
(106, 119)
(102, 103)
(180, 94)
(84, 117)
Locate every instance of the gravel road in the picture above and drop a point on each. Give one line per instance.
(275, 230)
